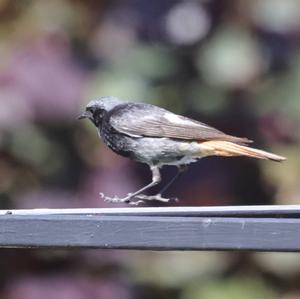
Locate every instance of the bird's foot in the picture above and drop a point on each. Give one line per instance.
(128, 199)
(156, 197)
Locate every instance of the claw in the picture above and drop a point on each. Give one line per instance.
(130, 200)
(117, 199)
(114, 199)
(157, 197)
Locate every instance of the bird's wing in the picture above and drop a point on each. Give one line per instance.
(138, 119)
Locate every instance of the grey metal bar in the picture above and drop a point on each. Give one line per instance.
(220, 211)
(148, 232)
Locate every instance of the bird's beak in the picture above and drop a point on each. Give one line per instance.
(85, 114)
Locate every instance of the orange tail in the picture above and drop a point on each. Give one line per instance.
(226, 148)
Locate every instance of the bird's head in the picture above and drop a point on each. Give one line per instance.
(96, 109)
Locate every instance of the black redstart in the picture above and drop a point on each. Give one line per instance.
(157, 137)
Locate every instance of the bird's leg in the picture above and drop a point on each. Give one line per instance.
(158, 196)
(180, 170)
(156, 178)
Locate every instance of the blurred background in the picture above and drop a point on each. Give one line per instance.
(232, 64)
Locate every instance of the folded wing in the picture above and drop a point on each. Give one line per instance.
(140, 119)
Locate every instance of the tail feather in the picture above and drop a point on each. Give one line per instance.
(226, 148)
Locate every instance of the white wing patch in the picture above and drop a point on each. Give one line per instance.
(175, 119)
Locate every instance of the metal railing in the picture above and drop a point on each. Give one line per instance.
(261, 228)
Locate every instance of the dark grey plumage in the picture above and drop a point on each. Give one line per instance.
(153, 135)
(139, 119)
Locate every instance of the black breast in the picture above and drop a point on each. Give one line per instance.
(116, 141)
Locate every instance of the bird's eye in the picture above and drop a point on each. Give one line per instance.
(90, 109)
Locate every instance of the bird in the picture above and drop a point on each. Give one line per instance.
(153, 135)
